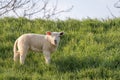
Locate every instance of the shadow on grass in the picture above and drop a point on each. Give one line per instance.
(72, 63)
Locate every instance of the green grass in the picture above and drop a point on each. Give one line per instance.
(89, 50)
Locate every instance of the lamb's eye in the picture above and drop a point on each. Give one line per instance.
(59, 36)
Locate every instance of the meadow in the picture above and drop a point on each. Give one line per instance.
(89, 50)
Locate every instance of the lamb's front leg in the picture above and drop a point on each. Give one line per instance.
(47, 56)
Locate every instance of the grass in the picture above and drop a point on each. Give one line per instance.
(89, 50)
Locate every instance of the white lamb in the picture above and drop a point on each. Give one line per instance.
(36, 42)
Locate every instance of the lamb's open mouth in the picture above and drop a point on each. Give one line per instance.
(55, 41)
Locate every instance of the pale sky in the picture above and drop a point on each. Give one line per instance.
(88, 8)
(85, 8)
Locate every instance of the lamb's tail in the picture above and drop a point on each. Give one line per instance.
(15, 50)
(15, 47)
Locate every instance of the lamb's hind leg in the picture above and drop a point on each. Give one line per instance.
(23, 56)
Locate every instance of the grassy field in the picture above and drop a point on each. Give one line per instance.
(89, 50)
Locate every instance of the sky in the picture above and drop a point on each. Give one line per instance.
(88, 8)
(83, 9)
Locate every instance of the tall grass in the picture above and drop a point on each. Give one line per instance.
(89, 50)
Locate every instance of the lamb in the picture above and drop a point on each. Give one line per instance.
(36, 42)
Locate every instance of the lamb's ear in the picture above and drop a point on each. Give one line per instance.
(61, 33)
(48, 33)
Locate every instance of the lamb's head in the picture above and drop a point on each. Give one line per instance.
(54, 37)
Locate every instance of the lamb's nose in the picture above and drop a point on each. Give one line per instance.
(55, 41)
